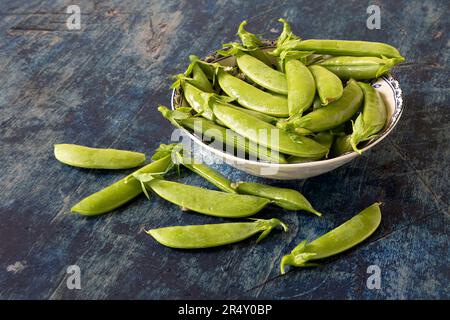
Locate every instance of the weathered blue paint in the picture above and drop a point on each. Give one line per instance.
(100, 87)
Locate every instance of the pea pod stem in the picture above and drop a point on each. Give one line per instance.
(340, 239)
(213, 235)
(253, 43)
(96, 158)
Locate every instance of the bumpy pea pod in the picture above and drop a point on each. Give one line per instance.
(329, 86)
(185, 158)
(341, 48)
(288, 199)
(221, 135)
(359, 68)
(330, 116)
(253, 43)
(347, 235)
(301, 86)
(325, 138)
(265, 134)
(205, 201)
(121, 191)
(251, 97)
(213, 235)
(371, 120)
(94, 158)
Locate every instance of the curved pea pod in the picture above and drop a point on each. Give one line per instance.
(213, 235)
(262, 74)
(252, 42)
(329, 86)
(119, 192)
(344, 237)
(209, 202)
(301, 86)
(198, 100)
(371, 120)
(265, 134)
(220, 134)
(217, 179)
(95, 158)
(332, 115)
(359, 68)
(261, 116)
(342, 48)
(251, 97)
(288, 199)
(324, 138)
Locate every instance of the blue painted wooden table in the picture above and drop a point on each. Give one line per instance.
(100, 86)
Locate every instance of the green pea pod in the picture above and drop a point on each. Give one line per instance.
(325, 138)
(119, 192)
(94, 158)
(332, 115)
(371, 120)
(252, 42)
(213, 235)
(342, 145)
(209, 202)
(198, 100)
(261, 116)
(288, 199)
(301, 86)
(344, 237)
(263, 133)
(341, 48)
(217, 179)
(262, 74)
(329, 86)
(251, 97)
(195, 75)
(359, 68)
(221, 135)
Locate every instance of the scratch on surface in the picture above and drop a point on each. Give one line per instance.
(436, 198)
(17, 267)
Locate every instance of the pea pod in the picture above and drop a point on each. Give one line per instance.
(261, 116)
(329, 86)
(94, 158)
(324, 138)
(221, 135)
(260, 73)
(347, 235)
(251, 97)
(213, 235)
(301, 86)
(333, 115)
(198, 100)
(119, 192)
(342, 145)
(206, 172)
(371, 120)
(359, 68)
(342, 48)
(201, 200)
(252, 42)
(288, 199)
(263, 133)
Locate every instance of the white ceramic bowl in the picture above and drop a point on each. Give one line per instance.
(387, 86)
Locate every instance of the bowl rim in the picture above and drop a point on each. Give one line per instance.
(395, 117)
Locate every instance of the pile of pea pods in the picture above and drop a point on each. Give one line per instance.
(315, 94)
(296, 89)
